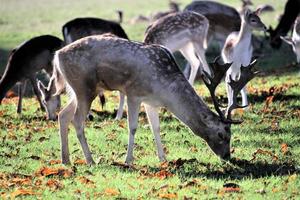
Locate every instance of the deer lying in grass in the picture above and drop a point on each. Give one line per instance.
(83, 27)
(24, 62)
(295, 39)
(146, 74)
(238, 50)
(185, 32)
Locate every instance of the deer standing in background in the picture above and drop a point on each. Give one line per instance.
(145, 74)
(238, 51)
(291, 11)
(24, 62)
(83, 27)
(294, 41)
(223, 19)
(185, 32)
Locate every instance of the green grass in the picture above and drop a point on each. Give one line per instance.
(29, 142)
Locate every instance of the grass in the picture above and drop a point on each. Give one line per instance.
(265, 147)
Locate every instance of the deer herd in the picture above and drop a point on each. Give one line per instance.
(97, 55)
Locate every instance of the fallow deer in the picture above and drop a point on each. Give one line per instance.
(223, 19)
(291, 11)
(238, 50)
(294, 41)
(82, 27)
(24, 62)
(146, 74)
(185, 32)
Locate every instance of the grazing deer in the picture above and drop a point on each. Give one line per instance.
(25, 61)
(291, 11)
(238, 50)
(222, 18)
(295, 39)
(82, 27)
(146, 74)
(185, 32)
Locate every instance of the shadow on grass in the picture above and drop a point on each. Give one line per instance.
(238, 169)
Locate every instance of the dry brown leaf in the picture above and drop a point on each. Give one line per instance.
(263, 152)
(21, 191)
(86, 181)
(54, 162)
(231, 189)
(80, 162)
(54, 184)
(284, 148)
(163, 174)
(60, 171)
(111, 192)
(168, 196)
(21, 181)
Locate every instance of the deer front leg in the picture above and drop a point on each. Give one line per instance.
(133, 115)
(153, 117)
(121, 106)
(36, 92)
(82, 109)
(64, 118)
(244, 97)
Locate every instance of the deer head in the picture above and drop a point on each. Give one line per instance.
(253, 19)
(51, 103)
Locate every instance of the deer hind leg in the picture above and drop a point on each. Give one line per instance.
(133, 115)
(153, 117)
(189, 54)
(82, 109)
(121, 106)
(21, 92)
(65, 116)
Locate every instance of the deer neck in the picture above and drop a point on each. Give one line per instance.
(245, 34)
(187, 106)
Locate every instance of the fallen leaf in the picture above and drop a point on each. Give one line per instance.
(21, 181)
(111, 192)
(284, 148)
(263, 152)
(46, 171)
(54, 184)
(21, 191)
(231, 187)
(80, 162)
(86, 181)
(168, 196)
(163, 174)
(54, 162)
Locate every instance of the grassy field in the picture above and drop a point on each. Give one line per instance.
(266, 147)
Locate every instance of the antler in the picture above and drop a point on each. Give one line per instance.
(218, 71)
(246, 75)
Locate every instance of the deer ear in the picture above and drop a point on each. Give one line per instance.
(247, 12)
(258, 11)
(288, 40)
